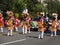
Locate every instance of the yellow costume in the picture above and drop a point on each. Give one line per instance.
(53, 26)
(40, 26)
(10, 24)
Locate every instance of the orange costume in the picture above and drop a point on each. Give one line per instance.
(40, 26)
(25, 24)
(24, 27)
(53, 26)
(10, 24)
(41, 29)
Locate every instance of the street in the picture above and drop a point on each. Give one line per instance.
(28, 39)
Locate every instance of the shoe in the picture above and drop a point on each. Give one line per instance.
(39, 37)
(55, 35)
(51, 35)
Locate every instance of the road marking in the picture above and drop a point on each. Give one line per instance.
(13, 42)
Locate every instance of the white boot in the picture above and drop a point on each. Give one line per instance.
(11, 32)
(26, 30)
(51, 33)
(55, 33)
(42, 33)
(1, 29)
(39, 35)
(8, 33)
(29, 30)
(23, 30)
(16, 28)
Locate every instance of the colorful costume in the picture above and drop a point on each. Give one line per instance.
(1, 22)
(41, 29)
(27, 19)
(53, 28)
(17, 24)
(24, 27)
(54, 25)
(10, 27)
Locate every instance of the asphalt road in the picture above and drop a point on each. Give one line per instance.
(28, 39)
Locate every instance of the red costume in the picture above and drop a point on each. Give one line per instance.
(1, 21)
(16, 22)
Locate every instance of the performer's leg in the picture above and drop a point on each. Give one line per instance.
(29, 30)
(42, 33)
(8, 33)
(51, 33)
(26, 30)
(11, 32)
(55, 32)
(39, 35)
(16, 28)
(23, 30)
(1, 29)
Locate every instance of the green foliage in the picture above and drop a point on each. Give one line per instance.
(53, 6)
(16, 15)
(39, 7)
(33, 6)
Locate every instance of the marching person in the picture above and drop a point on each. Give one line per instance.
(1, 22)
(41, 25)
(16, 23)
(11, 15)
(59, 25)
(28, 19)
(24, 26)
(56, 16)
(10, 27)
(41, 28)
(53, 27)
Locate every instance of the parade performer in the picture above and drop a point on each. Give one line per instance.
(41, 28)
(17, 23)
(53, 27)
(10, 27)
(28, 19)
(1, 22)
(42, 16)
(56, 16)
(24, 26)
(59, 25)
(10, 14)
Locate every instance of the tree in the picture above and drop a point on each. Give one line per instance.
(6, 4)
(53, 7)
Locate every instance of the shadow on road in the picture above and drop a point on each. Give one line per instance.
(32, 36)
(4, 34)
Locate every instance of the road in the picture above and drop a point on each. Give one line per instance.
(28, 39)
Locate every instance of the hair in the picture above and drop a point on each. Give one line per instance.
(53, 18)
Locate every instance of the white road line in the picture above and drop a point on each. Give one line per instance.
(13, 42)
